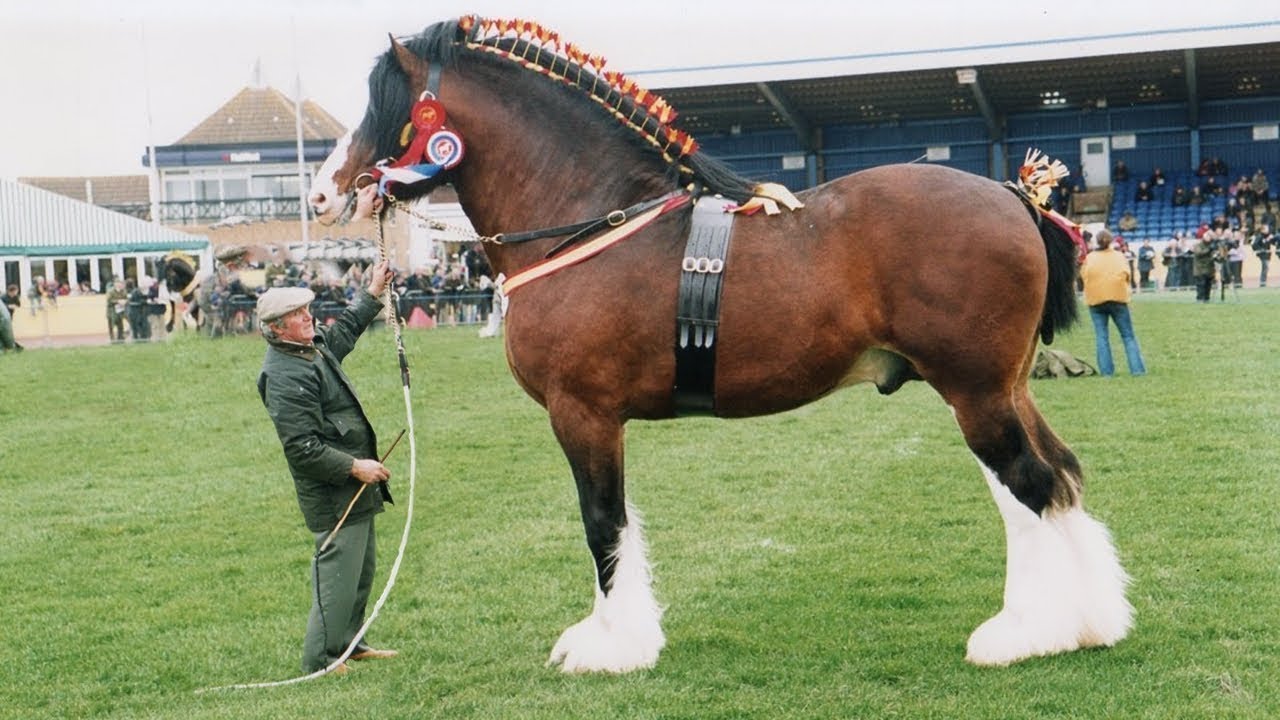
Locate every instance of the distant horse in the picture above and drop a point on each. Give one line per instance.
(897, 273)
(181, 283)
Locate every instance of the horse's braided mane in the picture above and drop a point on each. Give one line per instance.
(541, 51)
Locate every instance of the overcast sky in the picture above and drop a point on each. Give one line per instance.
(74, 76)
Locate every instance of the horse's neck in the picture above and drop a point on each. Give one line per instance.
(526, 172)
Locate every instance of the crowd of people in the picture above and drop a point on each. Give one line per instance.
(455, 290)
(1214, 251)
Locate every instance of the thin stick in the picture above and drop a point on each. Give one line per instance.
(356, 497)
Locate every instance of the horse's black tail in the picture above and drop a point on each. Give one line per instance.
(1060, 311)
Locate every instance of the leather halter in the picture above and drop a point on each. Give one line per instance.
(441, 148)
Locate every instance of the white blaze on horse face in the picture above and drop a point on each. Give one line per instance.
(325, 198)
(1064, 587)
(623, 631)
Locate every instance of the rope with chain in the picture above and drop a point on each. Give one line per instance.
(391, 301)
(460, 230)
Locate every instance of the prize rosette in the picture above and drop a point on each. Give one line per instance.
(445, 149)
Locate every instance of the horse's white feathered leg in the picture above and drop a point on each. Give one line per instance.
(1064, 587)
(623, 631)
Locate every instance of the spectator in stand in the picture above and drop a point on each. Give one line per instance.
(1267, 218)
(1107, 291)
(1146, 263)
(1062, 198)
(1195, 197)
(12, 299)
(117, 304)
(1211, 188)
(155, 308)
(1157, 178)
(1127, 222)
(1180, 197)
(139, 327)
(1262, 188)
(1211, 166)
(1186, 260)
(274, 274)
(1234, 269)
(85, 288)
(1143, 193)
(1263, 243)
(1119, 172)
(1243, 220)
(1169, 259)
(1244, 193)
(419, 281)
(1203, 267)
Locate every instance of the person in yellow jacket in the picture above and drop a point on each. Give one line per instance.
(1106, 277)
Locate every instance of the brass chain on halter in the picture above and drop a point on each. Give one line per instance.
(434, 224)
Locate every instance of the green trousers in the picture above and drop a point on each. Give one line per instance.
(341, 578)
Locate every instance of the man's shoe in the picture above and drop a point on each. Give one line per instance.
(368, 653)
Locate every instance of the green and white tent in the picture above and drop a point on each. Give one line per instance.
(44, 234)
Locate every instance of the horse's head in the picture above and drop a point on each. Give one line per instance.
(536, 110)
(389, 131)
(179, 272)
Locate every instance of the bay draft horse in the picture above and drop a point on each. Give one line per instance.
(909, 272)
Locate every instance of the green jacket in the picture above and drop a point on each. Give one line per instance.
(319, 419)
(1202, 259)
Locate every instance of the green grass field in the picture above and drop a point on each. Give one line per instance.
(824, 563)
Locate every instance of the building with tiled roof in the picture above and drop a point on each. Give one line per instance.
(128, 194)
(262, 115)
(241, 162)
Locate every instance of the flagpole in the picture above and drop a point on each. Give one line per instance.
(153, 177)
(297, 123)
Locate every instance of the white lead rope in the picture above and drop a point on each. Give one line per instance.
(408, 516)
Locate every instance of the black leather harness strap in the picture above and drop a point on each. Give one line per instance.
(698, 306)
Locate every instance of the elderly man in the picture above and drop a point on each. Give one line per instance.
(331, 450)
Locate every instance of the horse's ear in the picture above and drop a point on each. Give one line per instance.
(404, 57)
(411, 64)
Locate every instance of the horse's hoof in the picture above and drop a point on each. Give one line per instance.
(591, 646)
(1007, 638)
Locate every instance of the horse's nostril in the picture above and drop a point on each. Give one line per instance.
(317, 199)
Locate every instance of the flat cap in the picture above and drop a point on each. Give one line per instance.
(231, 252)
(280, 301)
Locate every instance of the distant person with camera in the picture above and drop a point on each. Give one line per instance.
(1263, 243)
(1107, 290)
(1202, 266)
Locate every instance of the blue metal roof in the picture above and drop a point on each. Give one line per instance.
(41, 223)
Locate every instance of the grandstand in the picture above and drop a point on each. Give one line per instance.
(1167, 108)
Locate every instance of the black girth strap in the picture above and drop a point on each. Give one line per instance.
(698, 306)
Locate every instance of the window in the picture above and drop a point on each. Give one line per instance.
(11, 275)
(235, 188)
(208, 190)
(177, 189)
(104, 274)
(60, 272)
(83, 266)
